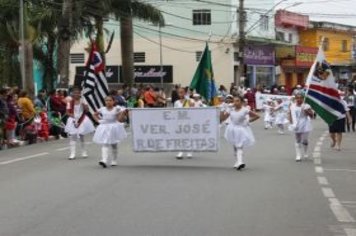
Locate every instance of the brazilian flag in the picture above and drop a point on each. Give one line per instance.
(203, 79)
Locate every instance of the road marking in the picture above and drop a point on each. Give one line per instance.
(349, 202)
(328, 192)
(345, 170)
(62, 149)
(317, 161)
(23, 158)
(350, 232)
(319, 169)
(322, 180)
(317, 149)
(341, 214)
(316, 154)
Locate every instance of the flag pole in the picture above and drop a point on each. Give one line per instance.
(312, 69)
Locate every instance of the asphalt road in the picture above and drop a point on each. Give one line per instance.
(153, 194)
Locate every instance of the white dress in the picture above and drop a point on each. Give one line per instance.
(269, 115)
(238, 131)
(301, 122)
(85, 127)
(110, 130)
(281, 114)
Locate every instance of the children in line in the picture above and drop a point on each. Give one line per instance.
(238, 132)
(110, 131)
(78, 124)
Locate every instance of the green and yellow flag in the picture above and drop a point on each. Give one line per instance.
(203, 80)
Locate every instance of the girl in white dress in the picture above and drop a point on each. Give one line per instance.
(300, 115)
(110, 130)
(238, 132)
(183, 102)
(281, 110)
(268, 108)
(78, 124)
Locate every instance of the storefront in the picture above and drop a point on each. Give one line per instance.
(295, 64)
(260, 62)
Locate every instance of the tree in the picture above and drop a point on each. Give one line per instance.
(125, 11)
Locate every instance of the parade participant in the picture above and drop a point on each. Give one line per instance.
(78, 124)
(281, 115)
(183, 102)
(197, 102)
(350, 99)
(110, 130)
(238, 132)
(268, 108)
(300, 115)
(338, 127)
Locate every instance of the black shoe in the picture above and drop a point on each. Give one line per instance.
(240, 167)
(103, 164)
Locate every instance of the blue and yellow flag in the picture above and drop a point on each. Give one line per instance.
(203, 80)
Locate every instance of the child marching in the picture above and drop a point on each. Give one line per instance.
(110, 130)
(183, 102)
(300, 115)
(238, 132)
(281, 110)
(268, 108)
(78, 124)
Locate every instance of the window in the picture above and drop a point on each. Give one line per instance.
(139, 57)
(280, 36)
(344, 46)
(202, 17)
(326, 44)
(77, 58)
(236, 56)
(264, 25)
(290, 37)
(198, 55)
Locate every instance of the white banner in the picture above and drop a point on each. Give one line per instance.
(261, 98)
(180, 129)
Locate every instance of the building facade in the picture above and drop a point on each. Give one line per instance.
(336, 40)
(179, 44)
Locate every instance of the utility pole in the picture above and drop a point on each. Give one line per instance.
(241, 42)
(160, 55)
(22, 49)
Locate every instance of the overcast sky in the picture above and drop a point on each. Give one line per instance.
(338, 11)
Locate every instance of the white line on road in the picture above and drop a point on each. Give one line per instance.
(317, 149)
(317, 161)
(349, 202)
(62, 149)
(319, 169)
(316, 154)
(341, 213)
(322, 180)
(23, 158)
(345, 170)
(328, 192)
(350, 232)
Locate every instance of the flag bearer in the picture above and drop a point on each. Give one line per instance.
(300, 115)
(78, 124)
(110, 130)
(238, 132)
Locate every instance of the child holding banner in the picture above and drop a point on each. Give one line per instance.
(238, 132)
(78, 124)
(183, 102)
(300, 115)
(110, 130)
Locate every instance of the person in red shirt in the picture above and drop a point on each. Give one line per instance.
(150, 96)
(251, 99)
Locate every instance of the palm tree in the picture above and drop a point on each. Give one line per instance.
(125, 11)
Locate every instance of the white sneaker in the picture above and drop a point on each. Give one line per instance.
(113, 163)
(189, 155)
(306, 155)
(84, 154)
(71, 156)
(298, 158)
(179, 155)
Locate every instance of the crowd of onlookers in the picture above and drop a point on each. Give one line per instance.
(25, 119)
